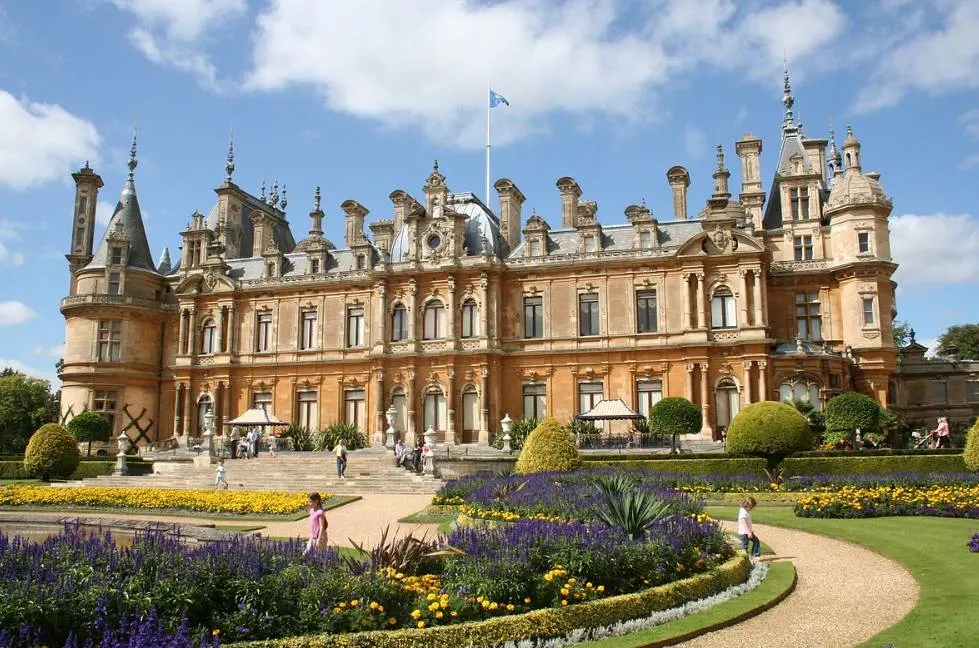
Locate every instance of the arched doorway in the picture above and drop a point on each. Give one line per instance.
(727, 404)
(204, 405)
(470, 414)
(400, 403)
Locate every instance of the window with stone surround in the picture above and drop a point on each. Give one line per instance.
(588, 314)
(868, 311)
(115, 256)
(972, 391)
(939, 392)
(799, 198)
(648, 393)
(470, 319)
(307, 332)
(355, 327)
(104, 403)
(534, 248)
(802, 247)
(262, 400)
(590, 394)
(808, 321)
(534, 400)
(435, 415)
(645, 239)
(434, 324)
(533, 317)
(115, 283)
(646, 316)
(307, 410)
(863, 242)
(109, 343)
(263, 332)
(799, 389)
(208, 336)
(399, 323)
(723, 309)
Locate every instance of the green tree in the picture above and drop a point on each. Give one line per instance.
(549, 447)
(960, 342)
(25, 405)
(89, 427)
(51, 452)
(674, 416)
(850, 411)
(902, 333)
(971, 454)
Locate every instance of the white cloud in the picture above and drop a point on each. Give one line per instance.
(15, 312)
(932, 60)
(694, 141)
(9, 231)
(49, 375)
(103, 211)
(172, 32)
(426, 64)
(935, 248)
(54, 351)
(970, 122)
(40, 142)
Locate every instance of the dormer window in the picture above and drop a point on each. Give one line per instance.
(115, 283)
(799, 198)
(590, 245)
(362, 261)
(645, 240)
(533, 249)
(314, 266)
(115, 257)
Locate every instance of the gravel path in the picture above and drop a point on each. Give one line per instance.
(845, 595)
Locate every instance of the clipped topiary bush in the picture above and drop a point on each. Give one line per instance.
(849, 411)
(768, 429)
(549, 447)
(971, 454)
(674, 416)
(88, 427)
(51, 452)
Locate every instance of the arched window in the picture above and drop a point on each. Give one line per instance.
(208, 337)
(728, 403)
(400, 403)
(399, 324)
(434, 320)
(435, 416)
(470, 414)
(722, 309)
(204, 405)
(800, 389)
(470, 315)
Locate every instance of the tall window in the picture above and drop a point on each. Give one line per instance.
(803, 247)
(115, 257)
(470, 410)
(361, 262)
(115, 283)
(104, 403)
(262, 400)
(589, 395)
(648, 393)
(588, 314)
(868, 311)
(208, 336)
(863, 242)
(722, 309)
(646, 311)
(534, 248)
(307, 410)
(645, 240)
(434, 318)
(590, 245)
(803, 390)
(355, 327)
(808, 322)
(533, 317)
(534, 401)
(939, 393)
(355, 409)
(307, 333)
(435, 410)
(263, 332)
(800, 203)
(109, 343)
(314, 266)
(469, 318)
(399, 324)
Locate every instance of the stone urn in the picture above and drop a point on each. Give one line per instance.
(391, 433)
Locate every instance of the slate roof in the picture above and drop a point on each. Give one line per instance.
(128, 220)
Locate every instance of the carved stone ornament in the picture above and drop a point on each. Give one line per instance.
(210, 280)
(721, 239)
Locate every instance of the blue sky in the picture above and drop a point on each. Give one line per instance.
(360, 96)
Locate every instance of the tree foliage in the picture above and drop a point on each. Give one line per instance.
(549, 447)
(51, 453)
(960, 342)
(675, 415)
(768, 429)
(902, 333)
(25, 405)
(88, 427)
(850, 411)
(971, 454)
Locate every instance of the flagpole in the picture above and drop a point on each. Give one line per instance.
(486, 196)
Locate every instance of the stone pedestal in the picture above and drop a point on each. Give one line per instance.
(121, 469)
(391, 432)
(430, 437)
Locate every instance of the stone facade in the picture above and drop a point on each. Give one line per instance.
(922, 389)
(454, 314)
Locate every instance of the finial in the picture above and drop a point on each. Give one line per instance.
(798, 121)
(642, 203)
(274, 194)
(261, 196)
(316, 199)
(86, 167)
(911, 335)
(787, 99)
(132, 156)
(282, 203)
(230, 166)
(435, 167)
(720, 158)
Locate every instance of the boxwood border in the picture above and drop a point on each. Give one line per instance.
(549, 622)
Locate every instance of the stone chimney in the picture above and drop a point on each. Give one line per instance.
(752, 196)
(570, 193)
(511, 202)
(354, 215)
(679, 181)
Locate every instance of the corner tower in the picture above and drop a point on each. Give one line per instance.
(87, 185)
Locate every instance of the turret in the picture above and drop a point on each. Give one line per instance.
(851, 153)
(752, 196)
(87, 185)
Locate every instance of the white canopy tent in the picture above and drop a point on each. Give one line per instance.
(255, 418)
(610, 410)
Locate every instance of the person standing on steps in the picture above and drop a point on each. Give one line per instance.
(273, 445)
(317, 523)
(341, 452)
(746, 529)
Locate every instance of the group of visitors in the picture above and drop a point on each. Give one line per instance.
(413, 458)
(246, 446)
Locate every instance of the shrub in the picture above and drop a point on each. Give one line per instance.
(770, 430)
(88, 427)
(302, 438)
(519, 431)
(549, 447)
(971, 454)
(633, 511)
(858, 463)
(695, 466)
(849, 411)
(673, 416)
(328, 438)
(51, 452)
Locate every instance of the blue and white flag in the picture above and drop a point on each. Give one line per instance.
(497, 99)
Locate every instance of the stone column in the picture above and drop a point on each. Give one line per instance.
(410, 409)
(379, 405)
(187, 412)
(450, 412)
(182, 333)
(759, 314)
(744, 297)
(686, 302)
(380, 332)
(484, 310)
(192, 333)
(178, 402)
(484, 406)
(226, 414)
(450, 315)
(762, 380)
(747, 382)
(706, 431)
(701, 299)
(413, 315)
(690, 368)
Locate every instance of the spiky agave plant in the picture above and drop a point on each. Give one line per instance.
(633, 511)
(615, 483)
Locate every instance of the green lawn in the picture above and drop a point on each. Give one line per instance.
(932, 549)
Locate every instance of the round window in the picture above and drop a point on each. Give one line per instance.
(434, 241)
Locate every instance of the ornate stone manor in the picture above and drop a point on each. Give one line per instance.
(454, 313)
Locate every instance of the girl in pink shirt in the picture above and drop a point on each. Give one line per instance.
(745, 528)
(317, 523)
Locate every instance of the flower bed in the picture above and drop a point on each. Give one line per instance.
(973, 543)
(855, 502)
(207, 501)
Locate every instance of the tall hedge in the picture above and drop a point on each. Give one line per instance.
(675, 415)
(768, 429)
(549, 447)
(849, 411)
(971, 454)
(88, 427)
(52, 452)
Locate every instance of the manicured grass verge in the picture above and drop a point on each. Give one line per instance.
(431, 515)
(773, 590)
(932, 549)
(238, 528)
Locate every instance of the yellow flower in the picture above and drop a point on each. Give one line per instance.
(215, 632)
(392, 621)
(600, 588)
(453, 613)
(420, 624)
(354, 603)
(527, 600)
(415, 614)
(548, 577)
(564, 601)
(439, 615)
(509, 607)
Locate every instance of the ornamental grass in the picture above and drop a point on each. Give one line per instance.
(856, 502)
(205, 501)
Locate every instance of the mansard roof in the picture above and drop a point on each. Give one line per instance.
(616, 238)
(126, 221)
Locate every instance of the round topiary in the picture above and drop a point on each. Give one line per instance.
(548, 447)
(51, 452)
(849, 411)
(971, 454)
(768, 429)
(88, 427)
(675, 415)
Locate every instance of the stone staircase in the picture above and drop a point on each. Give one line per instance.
(368, 471)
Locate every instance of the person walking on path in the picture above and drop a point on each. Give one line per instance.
(221, 478)
(746, 530)
(941, 432)
(273, 445)
(341, 452)
(317, 524)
